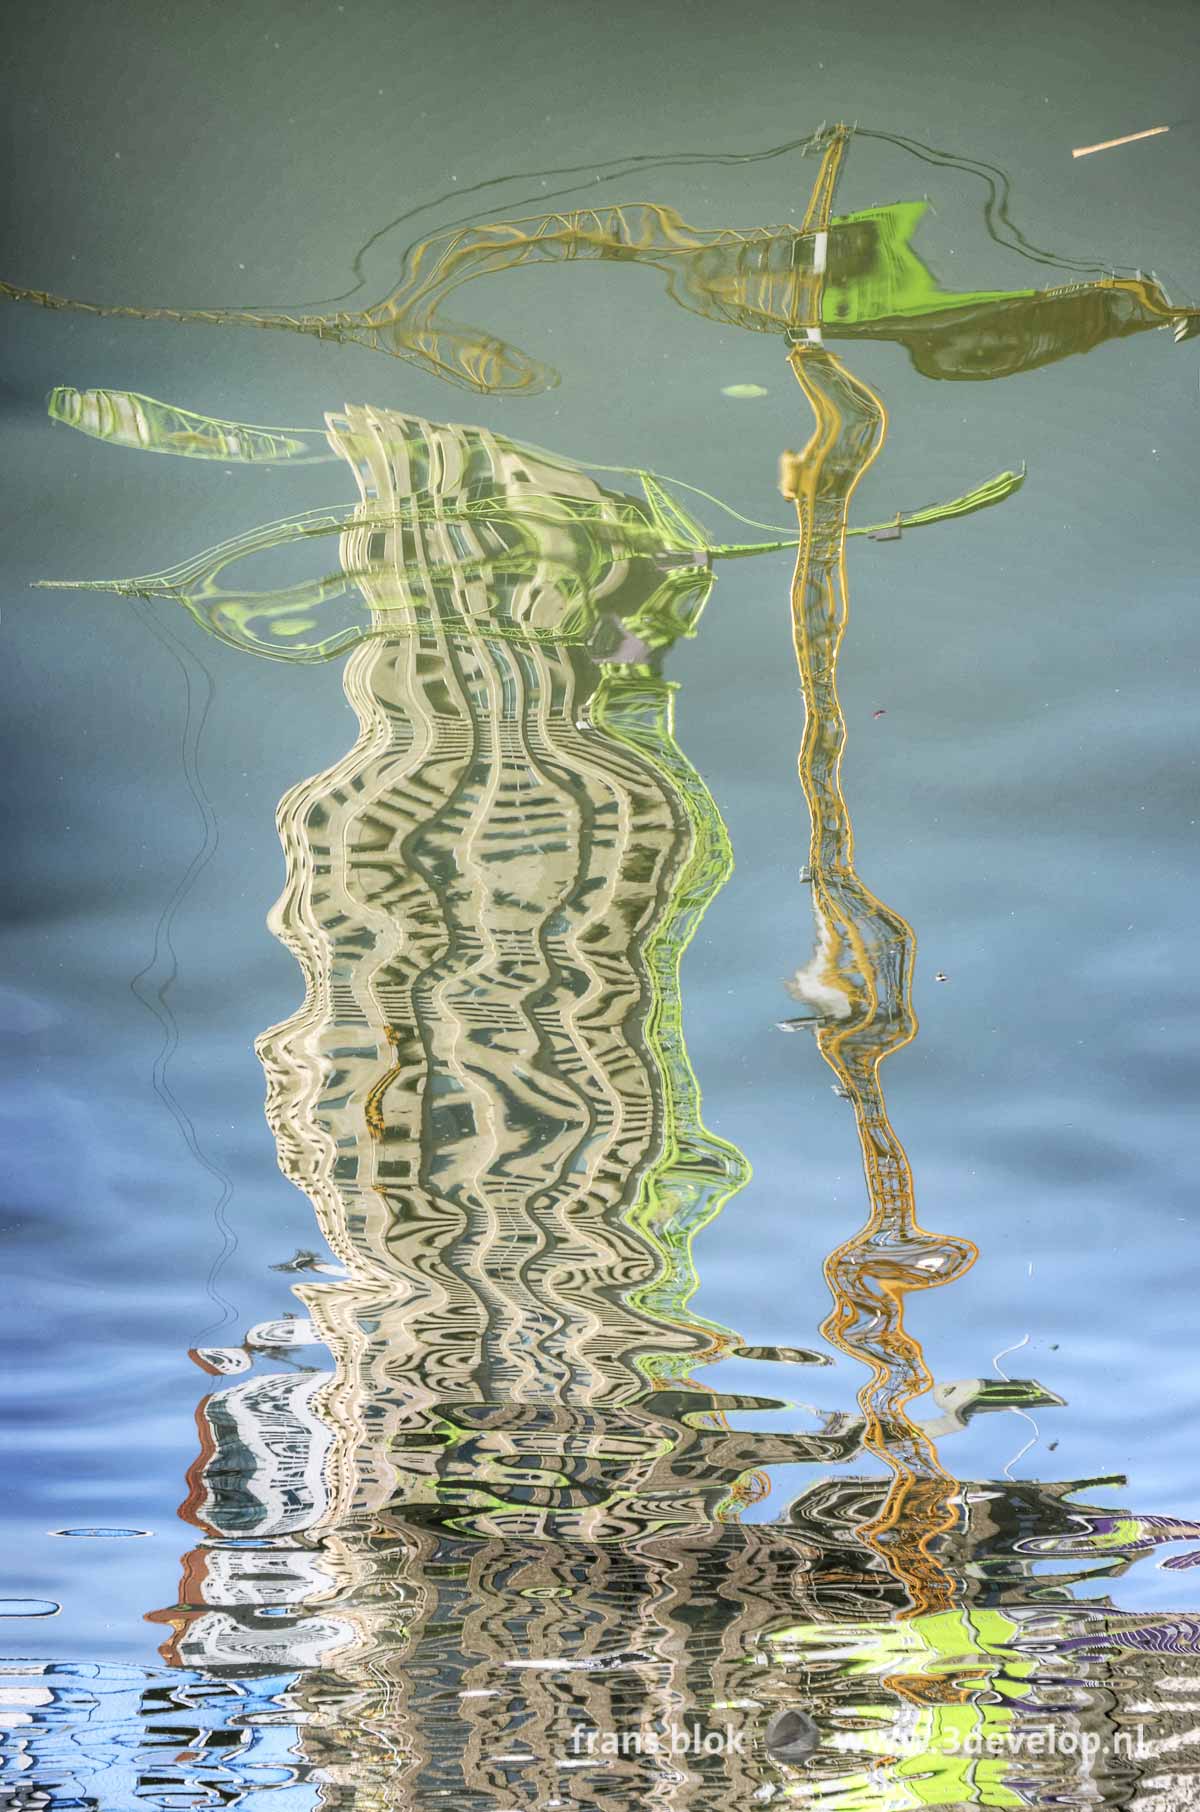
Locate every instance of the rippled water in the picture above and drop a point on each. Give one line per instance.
(632, 1362)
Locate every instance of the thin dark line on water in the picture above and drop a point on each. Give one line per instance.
(153, 982)
(995, 212)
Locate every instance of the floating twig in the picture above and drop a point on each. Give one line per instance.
(1110, 144)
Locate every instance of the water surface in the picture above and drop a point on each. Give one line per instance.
(547, 1363)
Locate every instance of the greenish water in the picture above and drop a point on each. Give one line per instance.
(717, 1254)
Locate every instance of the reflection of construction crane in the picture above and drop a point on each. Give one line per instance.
(853, 276)
(858, 981)
(523, 541)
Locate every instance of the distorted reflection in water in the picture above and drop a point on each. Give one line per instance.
(490, 1517)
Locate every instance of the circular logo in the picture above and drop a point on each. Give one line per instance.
(792, 1735)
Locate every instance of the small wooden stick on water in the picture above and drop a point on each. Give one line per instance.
(1111, 143)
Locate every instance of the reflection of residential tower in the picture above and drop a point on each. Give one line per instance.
(486, 1093)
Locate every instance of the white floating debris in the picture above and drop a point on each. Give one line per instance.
(742, 391)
